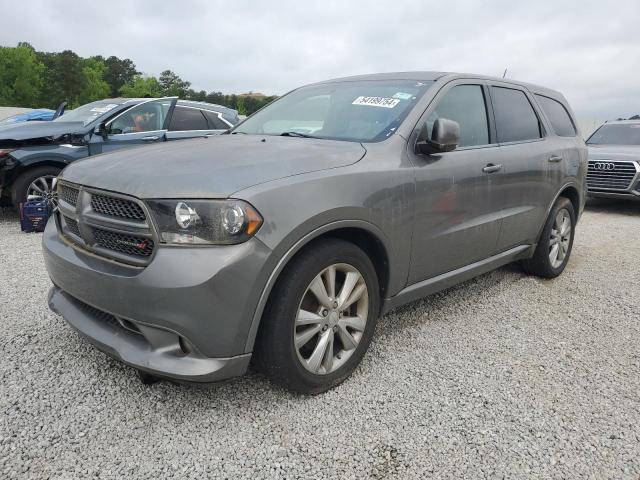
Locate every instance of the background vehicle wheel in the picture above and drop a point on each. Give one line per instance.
(34, 184)
(320, 318)
(554, 247)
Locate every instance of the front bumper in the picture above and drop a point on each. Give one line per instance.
(186, 315)
(633, 196)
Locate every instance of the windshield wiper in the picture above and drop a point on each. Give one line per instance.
(296, 134)
(238, 133)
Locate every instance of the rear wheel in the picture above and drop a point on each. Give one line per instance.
(35, 184)
(555, 244)
(320, 318)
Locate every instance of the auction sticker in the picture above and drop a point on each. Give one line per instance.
(376, 102)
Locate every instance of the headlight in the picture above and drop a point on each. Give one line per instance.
(202, 222)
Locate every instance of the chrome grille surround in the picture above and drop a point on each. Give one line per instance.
(105, 227)
(612, 175)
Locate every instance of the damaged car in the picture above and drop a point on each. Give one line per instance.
(33, 154)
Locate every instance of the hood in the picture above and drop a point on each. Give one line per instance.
(214, 167)
(33, 130)
(614, 152)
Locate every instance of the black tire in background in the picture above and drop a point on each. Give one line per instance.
(275, 353)
(21, 184)
(540, 264)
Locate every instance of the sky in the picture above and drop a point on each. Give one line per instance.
(588, 50)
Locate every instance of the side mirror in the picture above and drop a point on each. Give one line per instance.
(60, 110)
(102, 130)
(445, 137)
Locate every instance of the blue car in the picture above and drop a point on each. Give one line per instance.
(39, 115)
(32, 154)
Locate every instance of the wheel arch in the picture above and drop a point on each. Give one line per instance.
(568, 191)
(571, 192)
(25, 165)
(361, 233)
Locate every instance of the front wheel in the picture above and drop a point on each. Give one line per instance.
(36, 184)
(555, 244)
(320, 318)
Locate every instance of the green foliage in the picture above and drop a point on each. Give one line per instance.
(21, 76)
(119, 72)
(29, 78)
(96, 87)
(142, 87)
(173, 85)
(64, 79)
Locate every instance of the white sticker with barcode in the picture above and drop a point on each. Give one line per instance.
(376, 102)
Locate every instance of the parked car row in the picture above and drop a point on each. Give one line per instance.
(32, 154)
(281, 243)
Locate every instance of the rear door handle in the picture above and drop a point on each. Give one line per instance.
(491, 168)
(555, 158)
(150, 138)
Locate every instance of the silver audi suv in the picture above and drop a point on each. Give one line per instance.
(614, 160)
(280, 243)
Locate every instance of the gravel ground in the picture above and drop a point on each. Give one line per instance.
(503, 376)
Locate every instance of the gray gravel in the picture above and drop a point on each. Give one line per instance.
(503, 376)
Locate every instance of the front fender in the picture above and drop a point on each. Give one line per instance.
(288, 249)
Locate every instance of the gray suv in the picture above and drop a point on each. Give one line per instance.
(281, 243)
(614, 161)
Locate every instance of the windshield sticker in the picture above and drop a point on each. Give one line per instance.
(104, 108)
(376, 102)
(403, 96)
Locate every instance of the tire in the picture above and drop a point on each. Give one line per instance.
(276, 353)
(541, 263)
(22, 183)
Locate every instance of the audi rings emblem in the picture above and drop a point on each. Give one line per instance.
(604, 166)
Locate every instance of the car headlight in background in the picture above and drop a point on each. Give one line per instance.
(205, 222)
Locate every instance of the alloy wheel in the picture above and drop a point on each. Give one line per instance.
(43, 188)
(560, 238)
(331, 318)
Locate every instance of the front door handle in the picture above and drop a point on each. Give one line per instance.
(555, 158)
(491, 168)
(151, 138)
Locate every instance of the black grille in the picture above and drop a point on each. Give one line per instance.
(72, 225)
(123, 243)
(69, 194)
(99, 314)
(608, 175)
(116, 207)
(105, 317)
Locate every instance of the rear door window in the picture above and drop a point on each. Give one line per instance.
(516, 120)
(187, 119)
(214, 121)
(464, 104)
(558, 116)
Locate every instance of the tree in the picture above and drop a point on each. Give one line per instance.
(142, 87)
(64, 79)
(96, 87)
(21, 76)
(635, 117)
(118, 73)
(173, 85)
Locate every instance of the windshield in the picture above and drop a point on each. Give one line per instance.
(361, 111)
(616, 134)
(87, 113)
